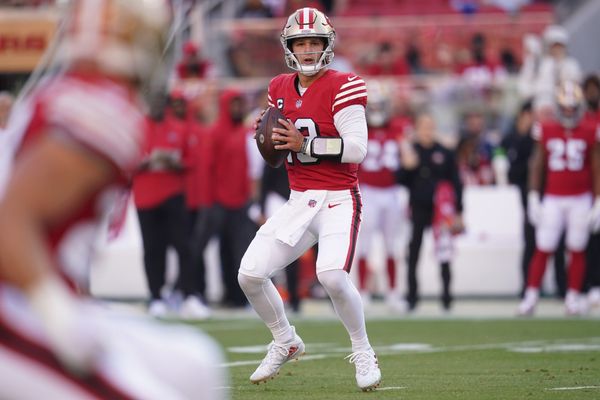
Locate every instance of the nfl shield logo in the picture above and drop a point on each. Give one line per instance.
(298, 103)
(312, 203)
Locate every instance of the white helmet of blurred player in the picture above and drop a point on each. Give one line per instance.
(379, 105)
(570, 103)
(120, 37)
(304, 23)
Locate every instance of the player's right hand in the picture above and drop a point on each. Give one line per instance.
(534, 207)
(594, 216)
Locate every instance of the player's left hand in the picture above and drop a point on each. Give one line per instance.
(594, 216)
(257, 121)
(289, 135)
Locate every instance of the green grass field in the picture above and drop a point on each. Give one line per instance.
(425, 359)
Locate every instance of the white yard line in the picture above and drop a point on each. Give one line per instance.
(413, 348)
(391, 388)
(574, 388)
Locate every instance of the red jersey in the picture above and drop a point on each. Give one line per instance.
(101, 116)
(151, 188)
(567, 155)
(382, 158)
(313, 113)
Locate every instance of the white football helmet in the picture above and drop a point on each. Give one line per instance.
(120, 37)
(303, 23)
(379, 105)
(570, 103)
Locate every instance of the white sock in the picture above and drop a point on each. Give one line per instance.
(266, 301)
(348, 306)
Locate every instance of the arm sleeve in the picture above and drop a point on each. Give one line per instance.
(351, 123)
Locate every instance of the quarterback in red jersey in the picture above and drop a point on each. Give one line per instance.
(386, 202)
(79, 136)
(326, 134)
(567, 157)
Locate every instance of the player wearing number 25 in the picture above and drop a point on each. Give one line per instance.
(567, 159)
(326, 134)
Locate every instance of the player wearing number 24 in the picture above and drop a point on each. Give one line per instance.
(325, 132)
(567, 158)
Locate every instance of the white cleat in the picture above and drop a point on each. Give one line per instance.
(277, 355)
(396, 304)
(158, 309)
(593, 297)
(574, 303)
(527, 306)
(368, 374)
(194, 309)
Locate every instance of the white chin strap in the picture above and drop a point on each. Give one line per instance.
(309, 70)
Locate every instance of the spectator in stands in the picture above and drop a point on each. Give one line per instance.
(555, 67)
(474, 151)
(293, 5)
(6, 103)
(480, 72)
(426, 167)
(233, 152)
(509, 60)
(254, 9)
(159, 198)
(193, 65)
(413, 60)
(386, 61)
(532, 57)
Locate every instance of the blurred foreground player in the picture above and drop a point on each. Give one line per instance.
(326, 134)
(567, 157)
(81, 138)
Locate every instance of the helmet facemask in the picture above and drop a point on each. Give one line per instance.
(569, 104)
(308, 23)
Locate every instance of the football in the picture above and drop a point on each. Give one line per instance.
(266, 146)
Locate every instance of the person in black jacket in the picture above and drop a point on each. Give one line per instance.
(424, 164)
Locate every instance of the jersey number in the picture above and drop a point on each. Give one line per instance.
(380, 156)
(309, 128)
(566, 154)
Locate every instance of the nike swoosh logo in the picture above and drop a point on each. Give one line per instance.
(351, 78)
(333, 205)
